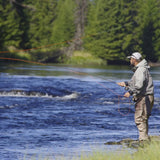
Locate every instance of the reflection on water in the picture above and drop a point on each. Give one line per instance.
(112, 72)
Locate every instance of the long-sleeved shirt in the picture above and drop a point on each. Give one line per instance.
(141, 83)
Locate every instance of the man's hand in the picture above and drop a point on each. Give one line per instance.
(122, 84)
(127, 95)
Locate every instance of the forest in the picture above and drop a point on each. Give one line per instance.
(51, 31)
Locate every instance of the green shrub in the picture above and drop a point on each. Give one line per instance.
(82, 58)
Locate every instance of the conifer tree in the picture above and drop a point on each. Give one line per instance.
(1, 25)
(63, 26)
(80, 13)
(11, 34)
(113, 25)
(41, 22)
(148, 30)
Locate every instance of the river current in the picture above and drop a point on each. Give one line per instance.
(63, 111)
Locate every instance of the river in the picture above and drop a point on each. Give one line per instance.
(65, 111)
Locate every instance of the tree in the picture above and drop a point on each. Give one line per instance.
(112, 29)
(63, 26)
(1, 25)
(22, 10)
(149, 28)
(41, 22)
(112, 23)
(79, 20)
(11, 33)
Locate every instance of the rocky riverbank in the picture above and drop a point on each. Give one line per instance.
(134, 143)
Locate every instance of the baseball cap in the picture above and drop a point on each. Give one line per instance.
(135, 55)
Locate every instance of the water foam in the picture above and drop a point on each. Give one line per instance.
(68, 97)
(21, 93)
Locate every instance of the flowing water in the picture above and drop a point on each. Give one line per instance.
(53, 111)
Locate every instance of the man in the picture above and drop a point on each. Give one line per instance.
(141, 88)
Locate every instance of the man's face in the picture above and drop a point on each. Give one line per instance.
(132, 61)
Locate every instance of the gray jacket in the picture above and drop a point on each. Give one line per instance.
(141, 83)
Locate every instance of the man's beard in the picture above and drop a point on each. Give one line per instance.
(133, 68)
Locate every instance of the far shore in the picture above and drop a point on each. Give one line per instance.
(154, 64)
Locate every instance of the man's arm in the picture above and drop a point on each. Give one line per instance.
(123, 84)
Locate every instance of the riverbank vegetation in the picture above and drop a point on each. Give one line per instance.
(84, 58)
(136, 151)
(148, 152)
(54, 31)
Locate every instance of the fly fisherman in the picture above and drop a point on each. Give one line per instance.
(141, 88)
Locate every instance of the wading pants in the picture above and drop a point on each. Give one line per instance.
(143, 108)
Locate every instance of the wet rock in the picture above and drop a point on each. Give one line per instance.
(122, 142)
(134, 143)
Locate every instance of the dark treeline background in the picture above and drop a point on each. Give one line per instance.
(52, 30)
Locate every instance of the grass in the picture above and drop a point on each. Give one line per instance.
(85, 58)
(148, 152)
(108, 156)
(16, 53)
(78, 57)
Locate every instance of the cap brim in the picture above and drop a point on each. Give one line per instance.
(129, 57)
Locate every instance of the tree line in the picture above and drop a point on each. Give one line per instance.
(51, 30)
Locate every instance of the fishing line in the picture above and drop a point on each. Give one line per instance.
(120, 97)
(26, 61)
(68, 41)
